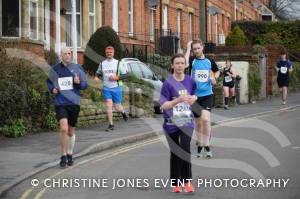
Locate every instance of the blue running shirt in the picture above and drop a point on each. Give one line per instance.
(201, 69)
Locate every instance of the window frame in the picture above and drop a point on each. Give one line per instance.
(20, 24)
(80, 14)
(152, 25)
(37, 19)
(191, 24)
(165, 18)
(131, 17)
(92, 14)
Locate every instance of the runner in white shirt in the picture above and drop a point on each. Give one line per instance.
(112, 72)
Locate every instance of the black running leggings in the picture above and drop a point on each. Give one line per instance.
(180, 158)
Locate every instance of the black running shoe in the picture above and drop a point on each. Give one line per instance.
(110, 128)
(70, 161)
(63, 161)
(125, 117)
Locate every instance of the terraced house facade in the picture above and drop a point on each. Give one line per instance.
(152, 23)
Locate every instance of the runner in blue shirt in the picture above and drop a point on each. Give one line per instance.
(284, 67)
(65, 80)
(203, 71)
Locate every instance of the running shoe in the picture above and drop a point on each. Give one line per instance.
(200, 151)
(207, 152)
(284, 102)
(189, 188)
(70, 161)
(125, 117)
(176, 189)
(63, 161)
(110, 128)
(226, 107)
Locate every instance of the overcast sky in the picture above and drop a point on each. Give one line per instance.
(294, 10)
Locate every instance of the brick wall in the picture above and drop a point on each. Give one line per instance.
(32, 49)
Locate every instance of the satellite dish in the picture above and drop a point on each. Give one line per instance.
(213, 10)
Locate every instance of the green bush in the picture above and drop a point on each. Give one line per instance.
(51, 57)
(15, 129)
(254, 81)
(50, 121)
(286, 33)
(236, 37)
(295, 77)
(95, 49)
(23, 94)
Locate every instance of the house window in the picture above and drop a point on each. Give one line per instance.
(91, 17)
(68, 7)
(101, 14)
(190, 25)
(178, 22)
(34, 19)
(130, 12)
(115, 15)
(165, 19)
(10, 13)
(152, 15)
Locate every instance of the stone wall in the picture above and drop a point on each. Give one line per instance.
(136, 103)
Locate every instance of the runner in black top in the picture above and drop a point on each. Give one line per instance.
(228, 83)
(284, 66)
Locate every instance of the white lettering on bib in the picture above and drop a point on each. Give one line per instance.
(283, 70)
(201, 75)
(228, 79)
(65, 83)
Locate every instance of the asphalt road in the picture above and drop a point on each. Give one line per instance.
(253, 158)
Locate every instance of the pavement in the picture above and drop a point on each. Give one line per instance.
(24, 157)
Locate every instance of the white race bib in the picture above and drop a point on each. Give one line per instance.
(201, 75)
(283, 70)
(181, 109)
(65, 83)
(228, 79)
(182, 114)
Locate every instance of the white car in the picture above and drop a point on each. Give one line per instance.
(142, 71)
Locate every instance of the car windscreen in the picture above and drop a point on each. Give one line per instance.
(135, 69)
(147, 73)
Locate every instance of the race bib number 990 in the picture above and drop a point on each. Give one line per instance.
(65, 83)
(201, 75)
(283, 70)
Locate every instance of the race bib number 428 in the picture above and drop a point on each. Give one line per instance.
(201, 75)
(65, 83)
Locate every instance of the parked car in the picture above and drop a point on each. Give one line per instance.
(142, 71)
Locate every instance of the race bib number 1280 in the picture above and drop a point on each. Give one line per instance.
(65, 83)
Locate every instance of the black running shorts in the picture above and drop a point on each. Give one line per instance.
(282, 82)
(69, 112)
(202, 103)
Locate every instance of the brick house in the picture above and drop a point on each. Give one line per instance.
(48, 23)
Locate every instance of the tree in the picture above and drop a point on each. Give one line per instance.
(284, 9)
(95, 48)
(236, 37)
